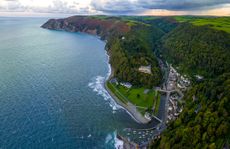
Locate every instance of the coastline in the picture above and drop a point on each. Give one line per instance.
(129, 107)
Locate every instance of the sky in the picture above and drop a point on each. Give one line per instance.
(114, 7)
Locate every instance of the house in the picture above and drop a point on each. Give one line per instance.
(126, 84)
(145, 69)
(147, 116)
(114, 81)
(185, 81)
(170, 108)
(199, 78)
(174, 97)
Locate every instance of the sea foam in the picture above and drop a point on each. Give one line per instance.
(97, 84)
(118, 143)
(112, 139)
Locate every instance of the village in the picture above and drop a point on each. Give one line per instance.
(176, 86)
(171, 91)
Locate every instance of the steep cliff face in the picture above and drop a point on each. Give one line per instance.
(96, 26)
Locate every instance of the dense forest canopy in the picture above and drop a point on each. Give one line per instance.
(197, 46)
(199, 50)
(204, 122)
(133, 50)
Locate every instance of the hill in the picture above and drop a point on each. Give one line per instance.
(204, 122)
(129, 44)
(197, 50)
(217, 23)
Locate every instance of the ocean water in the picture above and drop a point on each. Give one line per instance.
(51, 89)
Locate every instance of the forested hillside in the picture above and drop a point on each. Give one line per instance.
(205, 121)
(133, 50)
(197, 50)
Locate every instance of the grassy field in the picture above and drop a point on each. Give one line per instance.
(137, 96)
(218, 23)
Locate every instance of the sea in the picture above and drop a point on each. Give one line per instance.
(52, 91)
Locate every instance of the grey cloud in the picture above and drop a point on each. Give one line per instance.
(180, 4)
(116, 6)
(127, 6)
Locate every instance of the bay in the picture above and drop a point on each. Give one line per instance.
(51, 89)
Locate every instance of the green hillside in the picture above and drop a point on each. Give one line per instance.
(195, 48)
(204, 122)
(218, 23)
(133, 50)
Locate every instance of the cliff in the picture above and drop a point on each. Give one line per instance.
(92, 25)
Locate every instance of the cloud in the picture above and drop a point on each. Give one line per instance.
(113, 7)
(127, 6)
(180, 4)
(11, 0)
(55, 6)
(60, 6)
(12, 6)
(116, 6)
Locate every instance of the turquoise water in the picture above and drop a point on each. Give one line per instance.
(51, 89)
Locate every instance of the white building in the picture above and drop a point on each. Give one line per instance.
(114, 80)
(126, 84)
(198, 77)
(145, 69)
(147, 116)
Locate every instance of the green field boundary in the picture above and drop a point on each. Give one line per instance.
(117, 93)
(157, 102)
(125, 100)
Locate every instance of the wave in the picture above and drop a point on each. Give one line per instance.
(97, 85)
(109, 67)
(118, 143)
(112, 139)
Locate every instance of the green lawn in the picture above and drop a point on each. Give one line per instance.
(218, 23)
(135, 95)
